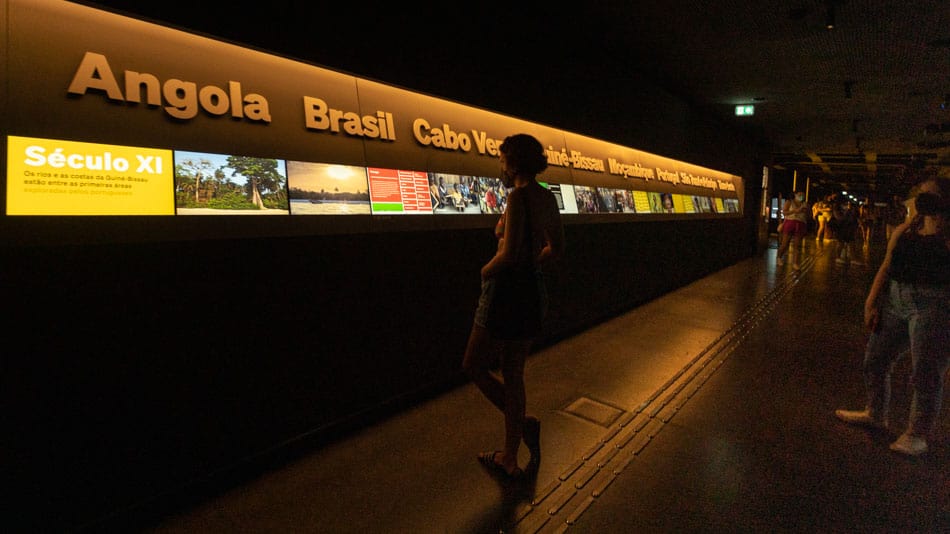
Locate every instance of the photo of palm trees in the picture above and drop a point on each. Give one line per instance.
(213, 184)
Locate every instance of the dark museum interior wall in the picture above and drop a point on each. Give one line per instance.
(145, 366)
(134, 369)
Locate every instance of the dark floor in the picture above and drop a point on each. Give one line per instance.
(707, 410)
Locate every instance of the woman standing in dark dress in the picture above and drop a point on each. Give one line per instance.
(529, 234)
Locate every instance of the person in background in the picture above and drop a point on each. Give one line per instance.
(443, 192)
(465, 191)
(475, 192)
(667, 202)
(821, 211)
(908, 307)
(794, 228)
(529, 235)
(846, 229)
(458, 201)
(491, 199)
(895, 215)
(866, 212)
(437, 200)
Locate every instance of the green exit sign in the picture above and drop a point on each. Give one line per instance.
(744, 111)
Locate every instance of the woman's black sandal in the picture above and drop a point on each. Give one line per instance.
(487, 459)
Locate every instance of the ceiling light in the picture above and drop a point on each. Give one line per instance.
(830, 18)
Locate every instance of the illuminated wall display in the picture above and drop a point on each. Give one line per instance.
(46, 177)
(215, 184)
(399, 191)
(452, 193)
(565, 196)
(125, 117)
(327, 189)
(220, 240)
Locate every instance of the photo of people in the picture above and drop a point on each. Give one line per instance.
(327, 189)
(452, 193)
(661, 203)
(623, 201)
(667, 200)
(702, 205)
(594, 199)
(492, 195)
(215, 184)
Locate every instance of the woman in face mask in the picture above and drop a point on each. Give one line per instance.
(794, 227)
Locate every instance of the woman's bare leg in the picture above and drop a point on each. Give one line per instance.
(795, 251)
(477, 362)
(512, 369)
(783, 245)
(508, 395)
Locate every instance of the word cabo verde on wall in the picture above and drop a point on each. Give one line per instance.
(184, 100)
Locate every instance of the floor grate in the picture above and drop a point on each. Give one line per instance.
(594, 411)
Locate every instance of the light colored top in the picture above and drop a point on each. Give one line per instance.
(794, 210)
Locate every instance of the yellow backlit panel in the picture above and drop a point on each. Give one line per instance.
(48, 177)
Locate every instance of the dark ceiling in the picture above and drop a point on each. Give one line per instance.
(858, 106)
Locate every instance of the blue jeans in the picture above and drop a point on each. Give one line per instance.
(915, 317)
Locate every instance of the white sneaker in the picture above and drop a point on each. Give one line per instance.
(860, 418)
(910, 445)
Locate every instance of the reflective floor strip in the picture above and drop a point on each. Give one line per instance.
(633, 430)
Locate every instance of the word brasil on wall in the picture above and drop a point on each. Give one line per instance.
(229, 130)
(183, 100)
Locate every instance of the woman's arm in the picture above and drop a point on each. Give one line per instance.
(514, 236)
(787, 208)
(553, 233)
(872, 305)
